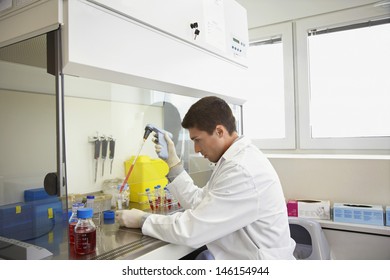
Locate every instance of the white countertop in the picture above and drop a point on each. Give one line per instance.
(381, 230)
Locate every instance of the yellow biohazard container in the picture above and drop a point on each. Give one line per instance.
(147, 173)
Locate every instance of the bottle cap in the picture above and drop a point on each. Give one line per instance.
(90, 196)
(84, 213)
(109, 215)
(77, 205)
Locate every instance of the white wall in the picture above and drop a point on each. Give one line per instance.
(338, 180)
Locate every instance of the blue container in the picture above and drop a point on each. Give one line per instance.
(16, 221)
(358, 214)
(35, 194)
(46, 213)
(109, 217)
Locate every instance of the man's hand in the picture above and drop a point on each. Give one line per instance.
(172, 159)
(129, 218)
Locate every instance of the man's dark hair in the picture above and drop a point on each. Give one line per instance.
(209, 112)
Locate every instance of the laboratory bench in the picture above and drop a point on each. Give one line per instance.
(112, 243)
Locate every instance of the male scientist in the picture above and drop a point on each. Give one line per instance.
(240, 213)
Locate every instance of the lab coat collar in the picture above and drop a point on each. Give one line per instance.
(236, 147)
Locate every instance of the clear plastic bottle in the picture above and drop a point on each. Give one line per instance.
(73, 220)
(90, 201)
(85, 232)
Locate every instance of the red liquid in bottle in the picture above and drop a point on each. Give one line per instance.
(85, 240)
(71, 232)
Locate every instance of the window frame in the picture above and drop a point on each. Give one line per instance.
(302, 27)
(285, 31)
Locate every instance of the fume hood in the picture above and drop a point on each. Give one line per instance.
(72, 70)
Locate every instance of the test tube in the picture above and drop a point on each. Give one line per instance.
(150, 199)
(119, 201)
(157, 195)
(167, 199)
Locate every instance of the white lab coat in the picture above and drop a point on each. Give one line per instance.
(239, 214)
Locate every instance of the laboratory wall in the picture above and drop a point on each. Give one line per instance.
(365, 181)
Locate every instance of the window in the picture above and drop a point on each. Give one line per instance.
(343, 81)
(349, 82)
(268, 113)
(267, 91)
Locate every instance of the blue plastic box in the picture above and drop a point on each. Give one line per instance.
(35, 194)
(358, 214)
(388, 216)
(45, 214)
(16, 220)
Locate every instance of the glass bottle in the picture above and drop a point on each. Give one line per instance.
(73, 220)
(85, 232)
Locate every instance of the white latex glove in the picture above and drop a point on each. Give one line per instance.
(129, 218)
(172, 159)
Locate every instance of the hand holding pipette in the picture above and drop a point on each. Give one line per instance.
(168, 149)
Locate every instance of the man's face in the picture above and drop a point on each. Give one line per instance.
(210, 146)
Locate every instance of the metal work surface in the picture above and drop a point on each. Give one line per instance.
(114, 242)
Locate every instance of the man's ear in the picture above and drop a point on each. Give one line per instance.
(219, 130)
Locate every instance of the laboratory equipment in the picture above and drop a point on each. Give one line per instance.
(150, 199)
(167, 199)
(73, 220)
(109, 217)
(104, 152)
(160, 139)
(96, 155)
(112, 151)
(90, 201)
(35, 194)
(132, 166)
(148, 173)
(122, 198)
(85, 232)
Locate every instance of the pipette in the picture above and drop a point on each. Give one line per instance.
(96, 155)
(112, 152)
(160, 140)
(132, 166)
(104, 152)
